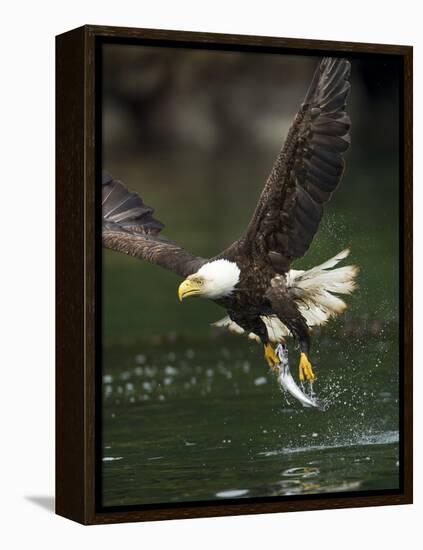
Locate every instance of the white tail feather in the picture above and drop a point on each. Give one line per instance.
(312, 290)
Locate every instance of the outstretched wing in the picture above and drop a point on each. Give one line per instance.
(129, 227)
(306, 172)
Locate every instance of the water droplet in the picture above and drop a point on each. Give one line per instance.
(170, 371)
(140, 359)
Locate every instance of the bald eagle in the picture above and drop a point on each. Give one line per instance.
(252, 279)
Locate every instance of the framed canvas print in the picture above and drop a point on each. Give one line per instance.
(234, 285)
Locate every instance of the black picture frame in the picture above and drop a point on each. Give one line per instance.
(78, 256)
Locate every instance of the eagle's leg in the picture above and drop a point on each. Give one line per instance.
(299, 329)
(289, 314)
(305, 369)
(257, 326)
(271, 357)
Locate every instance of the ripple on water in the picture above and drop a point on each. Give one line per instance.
(232, 493)
(384, 438)
(302, 471)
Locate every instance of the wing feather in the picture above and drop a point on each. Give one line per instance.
(306, 171)
(129, 227)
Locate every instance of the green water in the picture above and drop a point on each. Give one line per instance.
(208, 421)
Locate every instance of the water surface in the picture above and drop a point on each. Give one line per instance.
(208, 421)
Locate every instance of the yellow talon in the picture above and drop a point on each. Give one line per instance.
(306, 372)
(271, 357)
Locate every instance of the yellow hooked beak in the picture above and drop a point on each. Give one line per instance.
(188, 288)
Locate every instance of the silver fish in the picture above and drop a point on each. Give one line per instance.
(289, 385)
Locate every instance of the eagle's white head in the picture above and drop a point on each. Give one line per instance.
(213, 280)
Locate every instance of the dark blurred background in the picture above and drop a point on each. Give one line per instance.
(195, 132)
